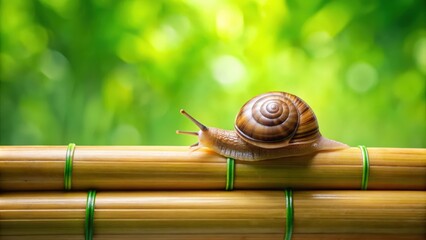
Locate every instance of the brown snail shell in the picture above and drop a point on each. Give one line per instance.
(276, 119)
(269, 126)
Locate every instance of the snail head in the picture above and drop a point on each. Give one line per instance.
(200, 134)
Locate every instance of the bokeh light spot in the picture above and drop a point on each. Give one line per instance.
(118, 89)
(125, 134)
(164, 38)
(54, 65)
(228, 70)
(361, 77)
(27, 134)
(135, 13)
(181, 24)
(332, 18)
(320, 44)
(229, 22)
(14, 15)
(420, 54)
(127, 48)
(34, 39)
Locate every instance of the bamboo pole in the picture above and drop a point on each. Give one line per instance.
(177, 168)
(224, 237)
(216, 215)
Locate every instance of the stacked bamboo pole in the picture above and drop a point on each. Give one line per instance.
(217, 215)
(168, 168)
(321, 214)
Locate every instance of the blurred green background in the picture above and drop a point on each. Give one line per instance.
(107, 72)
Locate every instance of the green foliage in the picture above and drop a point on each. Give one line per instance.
(117, 72)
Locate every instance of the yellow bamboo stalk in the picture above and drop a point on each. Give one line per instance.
(216, 215)
(224, 237)
(171, 167)
(241, 236)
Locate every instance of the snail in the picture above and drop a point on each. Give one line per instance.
(269, 126)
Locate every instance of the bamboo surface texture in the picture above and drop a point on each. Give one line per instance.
(171, 167)
(215, 215)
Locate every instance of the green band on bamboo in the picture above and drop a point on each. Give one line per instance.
(68, 166)
(230, 174)
(289, 214)
(365, 167)
(90, 215)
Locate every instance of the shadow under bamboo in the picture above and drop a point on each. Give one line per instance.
(216, 215)
(177, 168)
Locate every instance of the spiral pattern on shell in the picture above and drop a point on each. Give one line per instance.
(275, 119)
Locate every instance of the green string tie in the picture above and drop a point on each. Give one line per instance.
(90, 215)
(289, 214)
(230, 174)
(68, 166)
(365, 167)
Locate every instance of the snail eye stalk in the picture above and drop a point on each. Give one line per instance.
(200, 125)
(196, 145)
(186, 132)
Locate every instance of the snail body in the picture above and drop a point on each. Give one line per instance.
(269, 126)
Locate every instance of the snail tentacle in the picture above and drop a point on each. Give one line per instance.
(200, 125)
